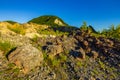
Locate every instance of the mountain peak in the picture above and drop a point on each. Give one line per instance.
(48, 20)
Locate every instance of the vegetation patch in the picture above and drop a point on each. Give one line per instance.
(6, 46)
(11, 22)
(56, 60)
(52, 32)
(47, 20)
(17, 28)
(112, 32)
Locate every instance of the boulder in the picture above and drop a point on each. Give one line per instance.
(26, 57)
(54, 49)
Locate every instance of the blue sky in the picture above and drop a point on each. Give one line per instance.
(98, 13)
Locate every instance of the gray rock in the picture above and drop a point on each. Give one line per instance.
(54, 49)
(26, 57)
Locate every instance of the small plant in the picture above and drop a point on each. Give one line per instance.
(11, 65)
(13, 68)
(63, 57)
(45, 56)
(102, 65)
(35, 38)
(55, 62)
(80, 64)
(16, 70)
(95, 72)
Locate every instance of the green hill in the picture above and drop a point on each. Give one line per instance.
(48, 20)
(9, 21)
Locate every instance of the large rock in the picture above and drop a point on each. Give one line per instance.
(54, 49)
(26, 57)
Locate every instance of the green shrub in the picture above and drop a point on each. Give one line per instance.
(11, 65)
(112, 32)
(54, 61)
(79, 63)
(84, 27)
(102, 65)
(63, 57)
(45, 56)
(88, 29)
(16, 70)
(6, 46)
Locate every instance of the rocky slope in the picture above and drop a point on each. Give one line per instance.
(38, 52)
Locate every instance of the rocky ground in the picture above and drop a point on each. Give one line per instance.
(76, 56)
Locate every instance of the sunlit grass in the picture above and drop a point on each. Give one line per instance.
(6, 46)
(17, 28)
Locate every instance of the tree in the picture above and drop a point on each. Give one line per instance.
(112, 32)
(84, 26)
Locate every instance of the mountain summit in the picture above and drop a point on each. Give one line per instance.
(48, 20)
